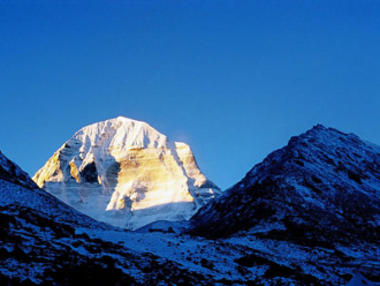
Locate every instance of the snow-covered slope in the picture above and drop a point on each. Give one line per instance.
(126, 173)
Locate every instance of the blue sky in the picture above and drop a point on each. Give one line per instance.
(234, 79)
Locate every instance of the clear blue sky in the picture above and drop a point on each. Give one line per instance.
(234, 79)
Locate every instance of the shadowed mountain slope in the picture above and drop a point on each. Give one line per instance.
(323, 186)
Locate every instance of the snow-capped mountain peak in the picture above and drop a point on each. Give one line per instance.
(126, 173)
(120, 134)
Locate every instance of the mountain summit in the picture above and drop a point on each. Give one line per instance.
(126, 173)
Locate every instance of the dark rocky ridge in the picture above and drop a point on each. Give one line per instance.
(323, 187)
(10, 172)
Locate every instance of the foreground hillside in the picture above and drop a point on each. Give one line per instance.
(44, 241)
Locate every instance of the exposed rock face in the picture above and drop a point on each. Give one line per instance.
(126, 173)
